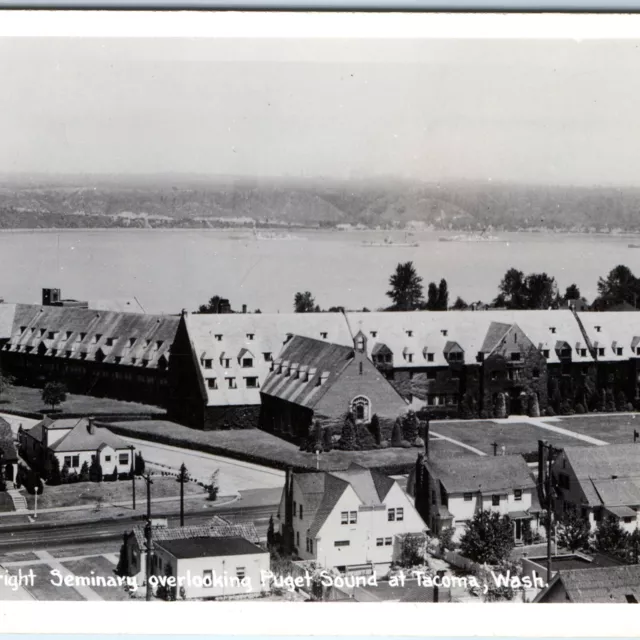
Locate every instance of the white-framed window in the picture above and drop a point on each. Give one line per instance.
(75, 461)
(344, 517)
(468, 497)
(388, 542)
(399, 514)
(252, 382)
(379, 542)
(341, 543)
(353, 517)
(67, 461)
(241, 572)
(517, 494)
(123, 458)
(106, 458)
(391, 515)
(495, 500)
(247, 363)
(267, 356)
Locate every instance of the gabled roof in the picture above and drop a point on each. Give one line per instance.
(487, 474)
(603, 462)
(496, 332)
(79, 437)
(329, 360)
(9, 453)
(269, 332)
(322, 491)
(607, 584)
(607, 327)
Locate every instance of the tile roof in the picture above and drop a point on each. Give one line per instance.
(207, 547)
(133, 339)
(487, 474)
(264, 335)
(216, 527)
(9, 453)
(607, 584)
(306, 369)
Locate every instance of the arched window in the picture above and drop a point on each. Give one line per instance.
(361, 409)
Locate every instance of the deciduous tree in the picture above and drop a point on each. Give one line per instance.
(488, 537)
(304, 303)
(573, 532)
(53, 394)
(406, 288)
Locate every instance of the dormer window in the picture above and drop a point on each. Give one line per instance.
(373, 334)
(598, 328)
(410, 333)
(109, 342)
(583, 353)
(69, 334)
(515, 357)
(323, 335)
(42, 332)
(225, 362)
(51, 335)
(159, 344)
(408, 357)
(444, 332)
(208, 362)
(232, 383)
(619, 351)
(83, 336)
(601, 351)
(250, 336)
(132, 341)
(247, 363)
(455, 356)
(212, 383)
(267, 356)
(23, 329)
(545, 353)
(218, 337)
(552, 329)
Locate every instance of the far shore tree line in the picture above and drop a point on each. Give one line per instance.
(517, 290)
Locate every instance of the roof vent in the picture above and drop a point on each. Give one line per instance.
(552, 329)
(445, 332)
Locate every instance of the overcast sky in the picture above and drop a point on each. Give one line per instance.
(543, 111)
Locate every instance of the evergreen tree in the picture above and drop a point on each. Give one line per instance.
(54, 474)
(348, 436)
(375, 429)
(410, 426)
(501, 409)
(396, 433)
(327, 441)
(122, 569)
(611, 403)
(95, 470)
(271, 534)
(432, 297)
(140, 465)
(621, 401)
(64, 474)
(443, 295)
(84, 472)
(459, 304)
(317, 436)
(364, 438)
(534, 406)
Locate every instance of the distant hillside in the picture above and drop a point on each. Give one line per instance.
(173, 201)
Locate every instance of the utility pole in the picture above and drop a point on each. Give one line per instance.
(149, 482)
(495, 448)
(636, 435)
(546, 452)
(133, 477)
(182, 478)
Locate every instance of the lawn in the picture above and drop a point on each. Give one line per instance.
(98, 566)
(30, 400)
(71, 495)
(260, 447)
(516, 437)
(42, 588)
(6, 503)
(612, 428)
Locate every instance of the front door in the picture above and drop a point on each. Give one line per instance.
(518, 530)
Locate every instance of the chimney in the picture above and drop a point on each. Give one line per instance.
(244, 308)
(90, 426)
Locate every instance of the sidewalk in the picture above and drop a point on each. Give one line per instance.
(109, 512)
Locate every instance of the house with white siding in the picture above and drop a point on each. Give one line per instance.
(352, 520)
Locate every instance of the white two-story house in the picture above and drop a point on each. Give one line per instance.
(450, 492)
(599, 482)
(351, 520)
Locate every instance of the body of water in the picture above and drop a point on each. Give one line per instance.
(168, 270)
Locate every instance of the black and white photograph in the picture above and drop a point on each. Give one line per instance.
(289, 318)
